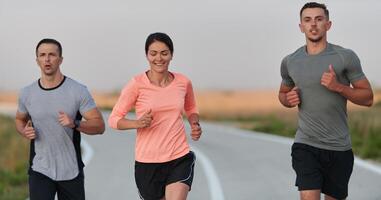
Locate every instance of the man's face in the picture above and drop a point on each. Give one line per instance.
(48, 58)
(159, 56)
(314, 24)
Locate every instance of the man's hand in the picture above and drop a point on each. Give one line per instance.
(196, 131)
(329, 80)
(145, 120)
(28, 131)
(65, 120)
(292, 97)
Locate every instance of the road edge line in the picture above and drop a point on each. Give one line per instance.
(214, 183)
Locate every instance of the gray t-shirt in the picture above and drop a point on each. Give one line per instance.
(55, 154)
(322, 113)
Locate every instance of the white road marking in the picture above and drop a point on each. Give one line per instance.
(214, 184)
(288, 141)
(87, 153)
(367, 165)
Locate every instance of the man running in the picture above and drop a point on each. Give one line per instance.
(319, 78)
(49, 115)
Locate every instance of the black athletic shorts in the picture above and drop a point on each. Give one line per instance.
(328, 171)
(42, 187)
(152, 178)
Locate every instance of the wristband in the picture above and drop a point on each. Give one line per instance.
(77, 123)
(196, 123)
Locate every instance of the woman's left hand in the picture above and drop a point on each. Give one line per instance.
(196, 131)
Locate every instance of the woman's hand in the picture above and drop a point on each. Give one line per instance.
(145, 120)
(196, 131)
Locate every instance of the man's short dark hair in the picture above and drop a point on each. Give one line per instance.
(315, 5)
(160, 37)
(50, 41)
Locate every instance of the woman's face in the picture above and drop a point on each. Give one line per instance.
(159, 56)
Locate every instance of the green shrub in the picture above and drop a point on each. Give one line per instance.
(364, 127)
(13, 162)
(365, 130)
(272, 124)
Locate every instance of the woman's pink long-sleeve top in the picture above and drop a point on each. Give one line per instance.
(165, 139)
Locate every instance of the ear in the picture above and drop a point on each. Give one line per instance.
(301, 28)
(61, 60)
(328, 25)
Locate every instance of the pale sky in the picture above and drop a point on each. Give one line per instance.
(219, 44)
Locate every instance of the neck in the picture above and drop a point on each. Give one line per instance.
(314, 48)
(51, 81)
(159, 79)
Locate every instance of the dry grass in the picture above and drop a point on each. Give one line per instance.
(13, 162)
(238, 102)
(231, 103)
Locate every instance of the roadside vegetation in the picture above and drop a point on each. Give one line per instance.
(14, 156)
(365, 127)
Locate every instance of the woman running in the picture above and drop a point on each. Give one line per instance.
(164, 163)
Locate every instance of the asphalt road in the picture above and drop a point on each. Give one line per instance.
(232, 164)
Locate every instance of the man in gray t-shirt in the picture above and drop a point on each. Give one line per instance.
(49, 114)
(319, 78)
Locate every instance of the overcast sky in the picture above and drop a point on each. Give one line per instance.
(219, 44)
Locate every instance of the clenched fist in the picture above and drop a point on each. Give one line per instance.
(292, 97)
(145, 120)
(65, 120)
(196, 131)
(328, 79)
(28, 131)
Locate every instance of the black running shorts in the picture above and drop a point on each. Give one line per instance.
(328, 171)
(152, 178)
(42, 187)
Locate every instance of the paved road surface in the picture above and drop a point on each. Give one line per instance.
(232, 164)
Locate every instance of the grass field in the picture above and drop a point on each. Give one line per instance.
(261, 111)
(252, 110)
(364, 124)
(13, 162)
(365, 130)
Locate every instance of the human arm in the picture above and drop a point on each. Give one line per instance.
(192, 113)
(288, 92)
(125, 103)
(194, 122)
(360, 93)
(24, 125)
(92, 125)
(142, 122)
(288, 96)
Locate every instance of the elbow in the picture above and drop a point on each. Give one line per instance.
(102, 129)
(281, 97)
(369, 103)
(285, 104)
